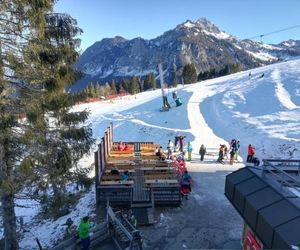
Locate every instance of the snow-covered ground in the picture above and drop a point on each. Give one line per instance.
(264, 112)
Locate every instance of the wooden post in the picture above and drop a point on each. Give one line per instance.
(112, 134)
(97, 167)
(108, 140)
(106, 145)
(97, 163)
(103, 151)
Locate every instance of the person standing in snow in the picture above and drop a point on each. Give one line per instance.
(251, 152)
(249, 75)
(170, 149)
(186, 180)
(174, 95)
(236, 149)
(84, 232)
(190, 150)
(202, 152)
(232, 154)
(176, 143)
(221, 153)
(181, 143)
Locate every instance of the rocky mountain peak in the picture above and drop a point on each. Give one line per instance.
(199, 42)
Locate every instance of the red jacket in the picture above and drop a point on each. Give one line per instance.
(251, 150)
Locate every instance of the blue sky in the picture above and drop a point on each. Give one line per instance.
(150, 18)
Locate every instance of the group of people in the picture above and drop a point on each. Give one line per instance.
(123, 146)
(234, 148)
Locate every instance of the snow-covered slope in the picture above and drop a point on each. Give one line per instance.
(262, 111)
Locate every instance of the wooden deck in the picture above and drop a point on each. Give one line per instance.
(145, 173)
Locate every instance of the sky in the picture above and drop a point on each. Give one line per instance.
(150, 18)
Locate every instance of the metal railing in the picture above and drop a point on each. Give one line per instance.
(280, 172)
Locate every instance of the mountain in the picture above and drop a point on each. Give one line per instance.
(200, 42)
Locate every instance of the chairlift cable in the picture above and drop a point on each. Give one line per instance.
(274, 32)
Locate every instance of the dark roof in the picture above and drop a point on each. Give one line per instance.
(273, 213)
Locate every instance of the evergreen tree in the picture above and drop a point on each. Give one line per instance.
(120, 88)
(107, 89)
(98, 90)
(147, 82)
(189, 73)
(134, 85)
(126, 84)
(57, 138)
(152, 81)
(113, 87)
(21, 22)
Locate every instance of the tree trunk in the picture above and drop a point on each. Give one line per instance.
(9, 222)
(8, 207)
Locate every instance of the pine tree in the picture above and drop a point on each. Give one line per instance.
(147, 83)
(113, 87)
(120, 88)
(152, 81)
(126, 84)
(21, 22)
(91, 90)
(107, 89)
(59, 140)
(189, 73)
(98, 90)
(134, 85)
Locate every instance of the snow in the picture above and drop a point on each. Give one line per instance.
(188, 24)
(262, 111)
(220, 35)
(262, 55)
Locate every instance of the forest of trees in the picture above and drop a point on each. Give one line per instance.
(137, 84)
(132, 85)
(230, 68)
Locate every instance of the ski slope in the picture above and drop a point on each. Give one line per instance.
(264, 112)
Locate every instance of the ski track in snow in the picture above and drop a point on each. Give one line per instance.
(261, 111)
(281, 93)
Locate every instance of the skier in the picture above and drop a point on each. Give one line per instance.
(178, 102)
(202, 152)
(174, 95)
(251, 152)
(84, 231)
(249, 75)
(189, 149)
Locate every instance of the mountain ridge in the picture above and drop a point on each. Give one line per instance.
(200, 42)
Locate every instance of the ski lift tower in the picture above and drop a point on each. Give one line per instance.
(166, 105)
